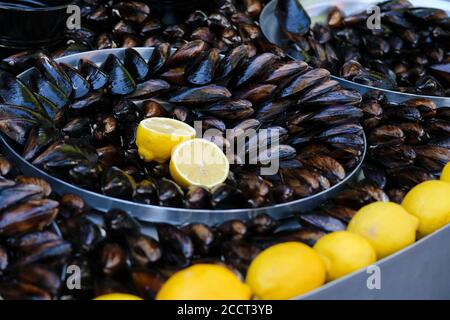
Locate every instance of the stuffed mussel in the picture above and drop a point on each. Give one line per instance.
(88, 137)
(408, 51)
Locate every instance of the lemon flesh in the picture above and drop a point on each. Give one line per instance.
(204, 282)
(344, 252)
(118, 296)
(198, 162)
(386, 225)
(156, 137)
(430, 202)
(285, 270)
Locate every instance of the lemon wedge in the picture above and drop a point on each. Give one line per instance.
(156, 137)
(198, 162)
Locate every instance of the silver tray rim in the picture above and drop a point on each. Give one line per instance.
(153, 213)
(270, 28)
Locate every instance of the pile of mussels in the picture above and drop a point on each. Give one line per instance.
(408, 52)
(79, 124)
(223, 24)
(51, 249)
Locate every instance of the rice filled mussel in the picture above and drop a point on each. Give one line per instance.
(408, 52)
(408, 143)
(88, 137)
(33, 254)
(223, 24)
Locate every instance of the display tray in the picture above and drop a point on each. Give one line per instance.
(419, 271)
(317, 9)
(151, 213)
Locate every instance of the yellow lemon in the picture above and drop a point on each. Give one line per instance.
(204, 282)
(430, 202)
(198, 162)
(387, 226)
(445, 176)
(156, 137)
(118, 296)
(344, 252)
(285, 270)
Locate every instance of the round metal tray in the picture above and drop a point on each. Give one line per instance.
(318, 9)
(151, 213)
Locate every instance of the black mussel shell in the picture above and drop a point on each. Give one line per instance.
(120, 80)
(97, 78)
(54, 73)
(135, 64)
(80, 86)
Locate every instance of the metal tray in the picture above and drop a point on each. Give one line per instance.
(419, 271)
(317, 9)
(152, 213)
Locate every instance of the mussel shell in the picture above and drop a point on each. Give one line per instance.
(231, 109)
(159, 57)
(201, 95)
(149, 89)
(169, 194)
(256, 93)
(197, 198)
(203, 237)
(80, 86)
(136, 65)
(15, 92)
(202, 69)
(47, 89)
(226, 197)
(256, 68)
(97, 78)
(120, 80)
(305, 81)
(118, 223)
(144, 250)
(57, 250)
(293, 19)
(117, 183)
(232, 61)
(187, 52)
(17, 193)
(147, 282)
(16, 122)
(54, 73)
(322, 221)
(91, 102)
(175, 243)
(22, 291)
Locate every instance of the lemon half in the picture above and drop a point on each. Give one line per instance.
(156, 137)
(199, 162)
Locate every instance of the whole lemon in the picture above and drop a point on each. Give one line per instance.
(430, 202)
(204, 282)
(344, 252)
(285, 270)
(445, 175)
(387, 226)
(118, 296)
